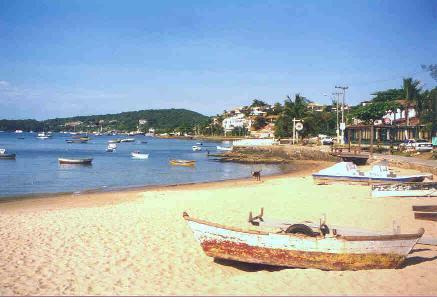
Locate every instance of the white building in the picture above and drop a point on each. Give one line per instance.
(236, 121)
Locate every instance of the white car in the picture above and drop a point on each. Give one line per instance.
(327, 141)
(420, 145)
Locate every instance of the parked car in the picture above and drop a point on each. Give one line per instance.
(327, 141)
(423, 145)
(419, 145)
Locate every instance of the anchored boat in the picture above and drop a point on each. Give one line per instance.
(300, 247)
(196, 148)
(79, 161)
(183, 162)
(139, 155)
(4, 155)
(348, 172)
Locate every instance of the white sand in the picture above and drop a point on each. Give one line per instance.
(136, 243)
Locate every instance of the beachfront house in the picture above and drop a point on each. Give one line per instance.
(236, 121)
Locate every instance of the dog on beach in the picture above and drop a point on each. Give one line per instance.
(257, 175)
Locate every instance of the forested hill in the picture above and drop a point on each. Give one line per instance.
(160, 119)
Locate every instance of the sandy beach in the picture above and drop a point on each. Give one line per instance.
(136, 242)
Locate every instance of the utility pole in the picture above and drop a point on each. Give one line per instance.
(337, 130)
(342, 125)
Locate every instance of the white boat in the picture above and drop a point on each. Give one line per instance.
(349, 172)
(223, 148)
(128, 140)
(138, 155)
(43, 135)
(196, 148)
(111, 147)
(300, 247)
(419, 189)
(18, 131)
(4, 155)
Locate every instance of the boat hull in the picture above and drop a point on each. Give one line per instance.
(300, 251)
(424, 189)
(7, 156)
(75, 161)
(182, 163)
(140, 156)
(327, 179)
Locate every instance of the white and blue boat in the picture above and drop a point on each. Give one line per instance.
(348, 172)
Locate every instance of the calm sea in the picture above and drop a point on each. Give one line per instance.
(36, 169)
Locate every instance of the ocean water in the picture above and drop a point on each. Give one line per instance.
(36, 169)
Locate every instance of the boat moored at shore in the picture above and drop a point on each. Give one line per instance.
(419, 189)
(349, 173)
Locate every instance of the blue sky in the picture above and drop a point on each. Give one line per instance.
(65, 58)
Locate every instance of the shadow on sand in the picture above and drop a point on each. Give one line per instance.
(248, 267)
(417, 260)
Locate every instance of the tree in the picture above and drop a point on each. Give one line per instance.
(296, 108)
(259, 122)
(412, 95)
(389, 95)
(258, 103)
(432, 70)
(374, 111)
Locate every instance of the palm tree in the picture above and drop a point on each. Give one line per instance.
(412, 95)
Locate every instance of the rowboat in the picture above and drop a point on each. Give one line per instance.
(138, 155)
(299, 247)
(128, 140)
(421, 189)
(75, 160)
(183, 162)
(4, 155)
(114, 141)
(348, 172)
(223, 148)
(196, 148)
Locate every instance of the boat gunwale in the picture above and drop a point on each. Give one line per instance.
(406, 236)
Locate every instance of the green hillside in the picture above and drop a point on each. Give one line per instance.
(163, 120)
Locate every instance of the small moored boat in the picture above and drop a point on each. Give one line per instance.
(139, 155)
(111, 147)
(78, 161)
(300, 247)
(348, 172)
(128, 140)
(196, 148)
(183, 162)
(4, 155)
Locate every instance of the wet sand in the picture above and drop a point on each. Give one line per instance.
(136, 243)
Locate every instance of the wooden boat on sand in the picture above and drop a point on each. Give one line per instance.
(78, 161)
(419, 189)
(183, 162)
(299, 248)
(348, 172)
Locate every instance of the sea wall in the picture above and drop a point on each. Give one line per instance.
(288, 152)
